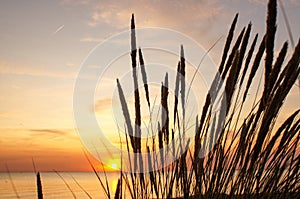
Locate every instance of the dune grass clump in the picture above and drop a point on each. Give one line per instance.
(237, 153)
(247, 156)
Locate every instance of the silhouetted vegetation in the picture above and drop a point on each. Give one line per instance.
(234, 155)
(247, 157)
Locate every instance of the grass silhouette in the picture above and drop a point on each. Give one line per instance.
(244, 160)
(246, 157)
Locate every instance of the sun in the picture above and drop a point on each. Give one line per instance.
(114, 166)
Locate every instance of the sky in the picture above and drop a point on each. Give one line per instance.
(44, 45)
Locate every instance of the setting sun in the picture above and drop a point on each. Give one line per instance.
(114, 166)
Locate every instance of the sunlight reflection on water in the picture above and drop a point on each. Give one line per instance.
(53, 185)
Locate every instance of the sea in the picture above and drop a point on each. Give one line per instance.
(23, 185)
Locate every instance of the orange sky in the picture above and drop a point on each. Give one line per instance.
(44, 43)
(51, 150)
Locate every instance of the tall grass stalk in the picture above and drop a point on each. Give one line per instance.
(39, 186)
(65, 182)
(12, 182)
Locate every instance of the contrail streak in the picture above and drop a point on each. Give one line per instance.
(58, 29)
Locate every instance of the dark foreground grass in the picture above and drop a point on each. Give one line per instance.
(236, 153)
(246, 156)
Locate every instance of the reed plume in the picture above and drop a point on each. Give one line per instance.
(255, 66)
(144, 76)
(249, 56)
(126, 114)
(176, 92)
(136, 89)
(228, 42)
(270, 38)
(182, 82)
(165, 109)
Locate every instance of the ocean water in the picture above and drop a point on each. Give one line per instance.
(53, 186)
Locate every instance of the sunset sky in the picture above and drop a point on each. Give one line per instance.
(42, 47)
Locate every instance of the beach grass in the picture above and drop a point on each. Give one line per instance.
(246, 156)
(235, 154)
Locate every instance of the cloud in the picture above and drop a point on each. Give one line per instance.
(156, 13)
(70, 64)
(103, 104)
(49, 132)
(259, 2)
(43, 134)
(295, 2)
(91, 39)
(75, 2)
(15, 68)
(38, 138)
(285, 2)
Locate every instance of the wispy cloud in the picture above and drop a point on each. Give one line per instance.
(62, 134)
(103, 104)
(264, 2)
(70, 64)
(259, 2)
(75, 2)
(49, 131)
(157, 13)
(38, 138)
(15, 68)
(91, 39)
(295, 2)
